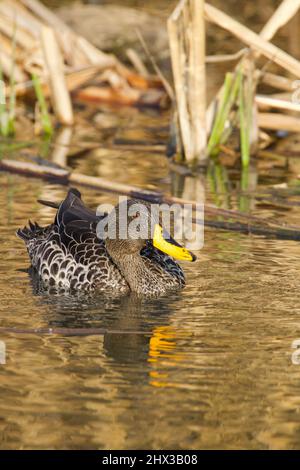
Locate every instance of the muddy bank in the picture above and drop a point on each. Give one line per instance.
(113, 28)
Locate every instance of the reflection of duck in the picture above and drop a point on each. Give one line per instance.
(68, 254)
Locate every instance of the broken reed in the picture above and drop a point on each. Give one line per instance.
(186, 30)
(235, 109)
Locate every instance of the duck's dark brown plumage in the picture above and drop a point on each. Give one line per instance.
(68, 255)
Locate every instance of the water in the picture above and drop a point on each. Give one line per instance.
(207, 367)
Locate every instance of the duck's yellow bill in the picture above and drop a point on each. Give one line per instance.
(164, 242)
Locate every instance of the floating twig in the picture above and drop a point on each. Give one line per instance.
(70, 331)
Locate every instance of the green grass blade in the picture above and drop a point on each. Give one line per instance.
(45, 118)
(217, 127)
(219, 132)
(245, 122)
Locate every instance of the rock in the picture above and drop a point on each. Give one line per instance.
(112, 28)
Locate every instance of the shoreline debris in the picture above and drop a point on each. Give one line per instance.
(65, 63)
(237, 104)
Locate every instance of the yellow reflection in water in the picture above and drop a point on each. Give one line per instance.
(163, 351)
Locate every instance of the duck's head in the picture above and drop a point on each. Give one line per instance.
(131, 224)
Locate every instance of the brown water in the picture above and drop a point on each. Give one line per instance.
(207, 367)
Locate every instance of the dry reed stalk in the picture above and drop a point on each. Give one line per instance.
(72, 44)
(265, 102)
(186, 30)
(6, 64)
(276, 122)
(23, 39)
(177, 56)
(197, 79)
(137, 62)
(94, 55)
(54, 62)
(7, 47)
(285, 12)
(46, 15)
(33, 169)
(214, 59)
(284, 96)
(253, 40)
(293, 36)
(276, 81)
(78, 53)
(265, 140)
(74, 80)
(270, 28)
(157, 70)
(245, 222)
(24, 20)
(79, 77)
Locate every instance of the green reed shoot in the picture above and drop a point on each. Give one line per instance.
(218, 183)
(45, 118)
(220, 133)
(245, 118)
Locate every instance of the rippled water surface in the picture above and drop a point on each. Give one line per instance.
(208, 367)
(205, 368)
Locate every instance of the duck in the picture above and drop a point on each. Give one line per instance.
(71, 254)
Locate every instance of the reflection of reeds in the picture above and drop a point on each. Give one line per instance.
(219, 184)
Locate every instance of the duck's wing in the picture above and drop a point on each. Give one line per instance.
(70, 255)
(76, 225)
(73, 205)
(72, 208)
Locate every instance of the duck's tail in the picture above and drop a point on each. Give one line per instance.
(29, 233)
(35, 231)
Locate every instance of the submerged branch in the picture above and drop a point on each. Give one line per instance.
(71, 331)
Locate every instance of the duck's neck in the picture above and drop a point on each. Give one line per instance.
(141, 276)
